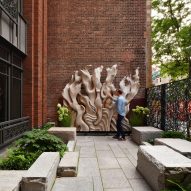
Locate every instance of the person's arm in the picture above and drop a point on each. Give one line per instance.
(114, 98)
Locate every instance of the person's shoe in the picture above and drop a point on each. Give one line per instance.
(122, 139)
(115, 137)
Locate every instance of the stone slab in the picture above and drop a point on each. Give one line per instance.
(88, 167)
(139, 185)
(120, 189)
(114, 178)
(102, 147)
(42, 174)
(141, 134)
(108, 163)
(180, 145)
(68, 166)
(65, 133)
(105, 154)
(71, 145)
(85, 144)
(128, 168)
(159, 163)
(10, 179)
(117, 150)
(98, 186)
(73, 184)
(87, 152)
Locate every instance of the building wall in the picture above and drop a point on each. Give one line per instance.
(94, 32)
(35, 64)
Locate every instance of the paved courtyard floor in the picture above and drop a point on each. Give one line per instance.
(105, 164)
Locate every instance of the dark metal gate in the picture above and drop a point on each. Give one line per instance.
(170, 106)
(13, 129)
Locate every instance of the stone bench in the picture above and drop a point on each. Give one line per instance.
(65, 133)
(68, 165)
(10, 179)
(42, 174)
(157, 164)
(71, 146)
(180, 145)
(141, 134)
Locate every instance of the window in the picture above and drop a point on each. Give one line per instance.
(10, 85)
(3, 92)
(16, 78)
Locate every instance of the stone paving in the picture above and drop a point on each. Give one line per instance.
(105, 164)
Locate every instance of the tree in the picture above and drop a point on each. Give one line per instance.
(171, 37)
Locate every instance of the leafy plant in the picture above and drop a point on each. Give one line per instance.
(18, 159)
(151, 141)
(47, 126)
(173, 134)
(27, 149)
(175, 186)
(138, 115)
(141, 110)
(64, 115)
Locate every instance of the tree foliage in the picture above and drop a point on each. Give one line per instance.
(171, 36)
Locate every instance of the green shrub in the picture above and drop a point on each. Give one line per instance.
(27, 149)
(138, 116)
(141, 110)
(151, 141)
(173, 134)
(40, 140)
(47, 126)
(18, 160)
(64, 115)
(175, 186)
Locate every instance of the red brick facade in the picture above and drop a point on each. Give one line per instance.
(94, 32)
(35, 64)
(80, 33)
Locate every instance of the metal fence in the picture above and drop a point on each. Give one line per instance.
(13, 129)
(170, 106)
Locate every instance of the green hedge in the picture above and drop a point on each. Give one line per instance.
(27, 149)
(173, 134)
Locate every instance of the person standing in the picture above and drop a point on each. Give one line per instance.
(120, 104)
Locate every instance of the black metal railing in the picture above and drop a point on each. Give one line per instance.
(13, 129)
(170, 106)
(10, 6)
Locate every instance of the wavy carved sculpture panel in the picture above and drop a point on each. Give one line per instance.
(90, 101)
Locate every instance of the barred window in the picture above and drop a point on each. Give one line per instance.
(10, 85)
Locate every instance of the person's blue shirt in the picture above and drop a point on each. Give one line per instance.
(121, 102)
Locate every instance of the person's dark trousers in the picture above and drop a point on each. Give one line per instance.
(120, 131)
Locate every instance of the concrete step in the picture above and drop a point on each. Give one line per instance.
(71, 145)
(10, 179)
(68, 165)
(180, 145)
(42, 174)
(73, 184)
(65, 133)
(141, 134)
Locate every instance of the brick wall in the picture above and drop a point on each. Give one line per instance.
(35, 64)
(94, 32)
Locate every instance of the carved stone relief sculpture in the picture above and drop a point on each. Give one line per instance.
(90, 100)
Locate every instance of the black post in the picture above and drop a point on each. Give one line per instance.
(163, 106)
(187, 109)
(189, 61)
